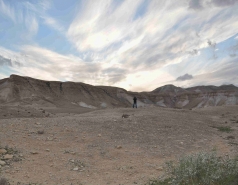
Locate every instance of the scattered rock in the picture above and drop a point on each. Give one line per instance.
(99, 135)
(159, 168)
(37, 123)
(47, 150)
(71, 160)
(34, 152)
(125, 116)
(3, 151)
(8, 156)
(76, 169)
(2, 163)
(40, 131)
(230, 137)
(118, 147)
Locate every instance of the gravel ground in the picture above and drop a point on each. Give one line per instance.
(102, 147)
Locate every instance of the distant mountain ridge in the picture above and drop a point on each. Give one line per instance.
(208, 88)
(18, 90)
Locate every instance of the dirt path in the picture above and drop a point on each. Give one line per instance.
(101, 147)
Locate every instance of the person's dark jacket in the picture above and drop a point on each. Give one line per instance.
(135, 99)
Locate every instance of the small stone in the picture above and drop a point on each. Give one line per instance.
(8, 156)
(118, 147)
(37, 123)
(99, 135)
(3, 151)
(47, 150)
(40, 132)
(71, 160)
(76, 169)
(159, 168)
(125, 116)
(34, 152)
(2, 163)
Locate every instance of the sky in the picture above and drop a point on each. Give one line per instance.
(138, 45)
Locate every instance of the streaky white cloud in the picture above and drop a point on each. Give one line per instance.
(117, 48)
(53, 23)
(32, 24)
(22, 12)
(98, 25)
(166, 34)
(7, 10)
(201, 4)
(96, 31)
(45, 4)
(138, 81)
(48, 65)
(223, 71)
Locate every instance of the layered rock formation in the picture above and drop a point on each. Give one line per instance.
(18, 90)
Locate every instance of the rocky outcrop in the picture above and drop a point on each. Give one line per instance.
(18, 90)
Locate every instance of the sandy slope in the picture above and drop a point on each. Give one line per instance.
(101, 147)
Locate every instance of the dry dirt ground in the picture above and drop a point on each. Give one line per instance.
(101, 147)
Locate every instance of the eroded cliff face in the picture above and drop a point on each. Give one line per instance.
(17, 90)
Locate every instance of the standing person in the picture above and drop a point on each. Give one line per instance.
(135, 102)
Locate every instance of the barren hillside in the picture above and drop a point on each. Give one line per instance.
(25, 91)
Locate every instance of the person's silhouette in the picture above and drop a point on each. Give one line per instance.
(135, 102)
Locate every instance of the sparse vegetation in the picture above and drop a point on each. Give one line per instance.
(223, 129)
(201, 169)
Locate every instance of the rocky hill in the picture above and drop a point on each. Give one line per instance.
(18, 90)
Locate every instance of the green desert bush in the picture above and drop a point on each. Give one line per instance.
(201, 169)
(224, 129)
